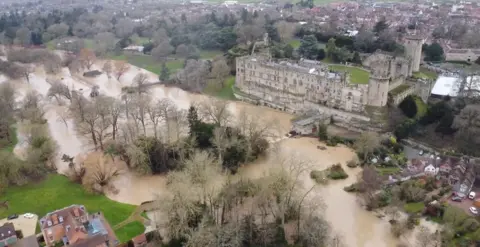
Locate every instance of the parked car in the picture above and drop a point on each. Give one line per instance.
(471, 195)
(421, 152)
(473, 210)
(456, 199)
(28, 215)
(13, 216)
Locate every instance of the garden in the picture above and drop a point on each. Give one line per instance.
(56, 192)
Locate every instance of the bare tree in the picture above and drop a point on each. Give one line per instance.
(220, 71)
(369, 182)
(27, 71)
(58, 89)
(63, 116)
(162, 50)
(286, 30)
(87, 58)
(215, 111)
(107, 68)
(78, 105)
(99, 172)
(367, 143)
(154, 114)
(120, 68)
(139, 80)
(139, 112)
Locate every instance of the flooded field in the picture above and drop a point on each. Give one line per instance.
(354, 224)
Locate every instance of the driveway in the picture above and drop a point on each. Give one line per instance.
(27, 226)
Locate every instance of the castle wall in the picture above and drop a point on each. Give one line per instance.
(467, 55)
(292, 88)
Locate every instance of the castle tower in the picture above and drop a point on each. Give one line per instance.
(378, 91)
(413, 49)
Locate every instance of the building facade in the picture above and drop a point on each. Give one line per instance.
(309, 85)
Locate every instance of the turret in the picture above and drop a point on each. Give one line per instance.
(378, 91)
(413, 49)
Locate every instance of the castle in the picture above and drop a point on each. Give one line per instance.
(308, 85)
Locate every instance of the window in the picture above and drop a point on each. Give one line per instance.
(49, 223)
(60, 219)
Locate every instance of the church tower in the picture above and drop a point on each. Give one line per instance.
(413, 49)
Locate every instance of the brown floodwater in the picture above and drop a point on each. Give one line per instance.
(357, 226)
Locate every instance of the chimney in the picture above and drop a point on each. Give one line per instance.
(55, 219)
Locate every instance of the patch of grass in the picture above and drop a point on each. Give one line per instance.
(357, 75)
(399, 89)
(414, 207)
(425, 73)
(140, 40)
(14, 140)
(319, 176)
(226, 92)
(295, 43)
(144, 215)
(148, 62)
(56, 192)
(209, 54)
(336, 172)
(130, 231)
(421, 107)
(387, 170)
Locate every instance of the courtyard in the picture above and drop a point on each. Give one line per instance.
(24, 224)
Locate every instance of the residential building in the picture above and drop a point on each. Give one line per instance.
(8, 237)
(73, 226)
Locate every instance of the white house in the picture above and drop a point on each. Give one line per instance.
(431, 170)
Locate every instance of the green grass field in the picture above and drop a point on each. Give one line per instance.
(57, 192)
(387, 170)
(226, 92)
(129, 231)
(147, 62)
(10, 146)
(414, 207)
(425, 74)
(209, 54)
(295, 43)
(357, 75)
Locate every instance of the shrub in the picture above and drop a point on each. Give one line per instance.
(337, 172)
(351, 188)
(352, 163)
(318, 176)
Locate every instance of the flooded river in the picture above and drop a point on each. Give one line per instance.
(355, 225)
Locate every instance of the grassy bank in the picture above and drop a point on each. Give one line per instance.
(225, 92)
(57, 192)
(425, 74)
(129, 231)
(147, 62)
(357, 75)
(9, 146)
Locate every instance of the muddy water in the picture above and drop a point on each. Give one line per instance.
(357, 226)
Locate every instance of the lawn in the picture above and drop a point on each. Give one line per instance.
(130, 231)
(10, 146)
(57, 192)
(387, 170)
(209, 54)
(226, 92)
(421, 107)
(295, 43)
(425, 74)
(147, 62)
(414, 207)
(357, 75)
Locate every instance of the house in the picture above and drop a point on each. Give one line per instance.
(140, 241)
(73, 226)
(431, 170)
(309, 125)
(8, 237)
